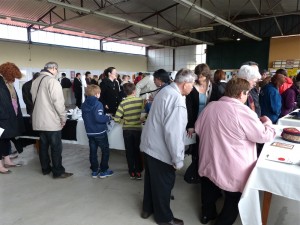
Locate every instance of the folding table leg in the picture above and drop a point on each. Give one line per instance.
(37, 146)
(266, 206)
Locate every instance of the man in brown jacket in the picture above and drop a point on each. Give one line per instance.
(49, 117)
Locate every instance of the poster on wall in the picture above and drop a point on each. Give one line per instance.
(291, 72)
(72, 74)
(289, 64)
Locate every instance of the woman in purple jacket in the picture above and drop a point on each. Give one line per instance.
(289, 100)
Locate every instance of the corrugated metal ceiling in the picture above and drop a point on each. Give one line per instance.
(164, 14)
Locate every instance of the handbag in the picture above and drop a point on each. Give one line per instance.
(191, 175)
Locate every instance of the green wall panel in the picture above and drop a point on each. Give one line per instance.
(231, 55)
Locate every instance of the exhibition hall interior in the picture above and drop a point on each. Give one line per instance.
(128, 127)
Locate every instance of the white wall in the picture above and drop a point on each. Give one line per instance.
(160, 59)
(185, 57)
(189, 56)
(32, 58)
(35, 56)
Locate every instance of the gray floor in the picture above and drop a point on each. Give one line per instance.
(29, 198)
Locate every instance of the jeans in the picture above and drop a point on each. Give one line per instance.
(102, 142)
(132, 139)
(52, 139)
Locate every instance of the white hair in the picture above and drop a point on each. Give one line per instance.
(50, 65)
(249, 72)
(185, 75)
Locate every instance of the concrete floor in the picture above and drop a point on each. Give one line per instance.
(29, 198)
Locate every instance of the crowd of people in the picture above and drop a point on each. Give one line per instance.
(232, 120)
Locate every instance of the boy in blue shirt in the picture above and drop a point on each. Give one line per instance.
(96, 129)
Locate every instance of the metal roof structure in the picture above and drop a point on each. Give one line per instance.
(157, 23)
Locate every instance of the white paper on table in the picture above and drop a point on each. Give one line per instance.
(283, 155)
(1, 131)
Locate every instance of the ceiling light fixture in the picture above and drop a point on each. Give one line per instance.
(140, 39)
(216, 18)
(122, 20)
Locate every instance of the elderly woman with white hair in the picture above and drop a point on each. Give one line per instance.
(251, 73)
(164, 148)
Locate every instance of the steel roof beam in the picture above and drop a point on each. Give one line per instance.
(216, 18)
(125, 21)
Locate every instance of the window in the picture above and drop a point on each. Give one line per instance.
(201, 54)
(46, 37)
(13, 33)
(118, 47)
(65, 40)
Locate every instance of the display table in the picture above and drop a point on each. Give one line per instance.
(74, 133)
(272, 177)
(289, 120)
(115, 136)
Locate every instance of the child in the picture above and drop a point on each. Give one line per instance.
(130, 110)
(95, 125)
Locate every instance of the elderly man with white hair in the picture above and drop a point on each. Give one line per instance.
(162, 142)
(249, 71)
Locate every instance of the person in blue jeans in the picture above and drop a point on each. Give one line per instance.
(96, 129)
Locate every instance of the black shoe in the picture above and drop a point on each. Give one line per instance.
(63, 175)
(145, 214)
(174, 221)
(46, 172)
(205, 219)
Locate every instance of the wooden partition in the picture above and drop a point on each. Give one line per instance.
(284, 48)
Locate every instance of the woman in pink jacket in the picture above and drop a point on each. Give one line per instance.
(228, 131)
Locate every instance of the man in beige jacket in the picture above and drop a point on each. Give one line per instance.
(49, 117)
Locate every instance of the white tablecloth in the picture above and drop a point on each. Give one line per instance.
(274, 177)
(115, 136)
(289, 121)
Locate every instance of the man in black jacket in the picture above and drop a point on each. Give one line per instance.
(66, 84)
(27, 95)
(78, 89)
